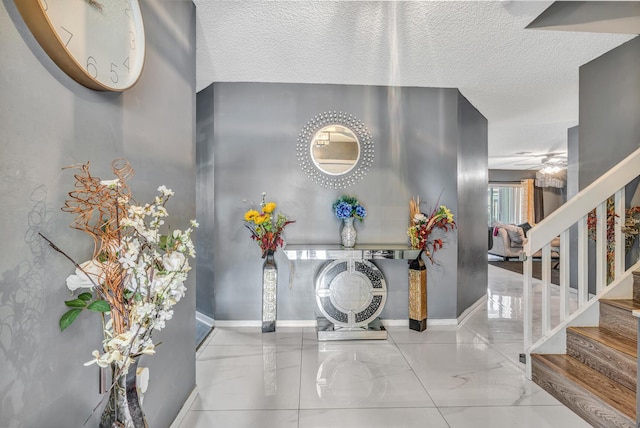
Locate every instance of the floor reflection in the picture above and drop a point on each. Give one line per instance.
(270, 369)
(447, 376)
(349, 375)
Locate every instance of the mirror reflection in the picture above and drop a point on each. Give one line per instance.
(335, 149)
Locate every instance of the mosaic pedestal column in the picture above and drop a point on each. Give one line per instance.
(350, 294)
(417, 294)
(269, 293)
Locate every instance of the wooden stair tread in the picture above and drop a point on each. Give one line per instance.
(597, 384)
(626, 304)
(609, 338)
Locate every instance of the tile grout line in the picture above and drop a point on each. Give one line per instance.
(300, 377)
(397, 345)
(462, 325)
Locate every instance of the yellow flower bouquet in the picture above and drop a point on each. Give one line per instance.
(266, 226)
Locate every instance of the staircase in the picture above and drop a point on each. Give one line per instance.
(586, 356)
(597, 376)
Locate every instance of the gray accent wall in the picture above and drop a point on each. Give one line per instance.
(472, 204)
(573, 166)
(47, 122)
(609, 127)
(205, 206)
(420, 134)
(609, 110)
(573, 162)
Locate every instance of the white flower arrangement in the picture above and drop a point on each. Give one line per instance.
(137, 272)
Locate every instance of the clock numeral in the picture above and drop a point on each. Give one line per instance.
(92, 66)
(46, 6)
(126, 63)
(132, 39)
(114, 73)
(127, 8)
(70, 35)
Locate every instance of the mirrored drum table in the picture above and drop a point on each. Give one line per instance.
(350, 290)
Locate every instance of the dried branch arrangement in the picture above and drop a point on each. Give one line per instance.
(414, 208)
(137, 271)
(99, 207)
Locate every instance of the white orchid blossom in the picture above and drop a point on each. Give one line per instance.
(153, 265)
(150, 349)
(106, 359)
(90, 273)
(173, 262)
(165, 191)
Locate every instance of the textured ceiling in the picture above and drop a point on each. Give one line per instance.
(524, 81)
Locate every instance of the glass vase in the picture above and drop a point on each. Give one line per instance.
(348, 233)
(123, 407)
(269, 292)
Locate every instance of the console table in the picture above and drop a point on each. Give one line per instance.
(350, 290)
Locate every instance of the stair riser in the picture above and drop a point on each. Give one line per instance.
(614, 364)
(581, 402)
(636, 286)
(619, 320)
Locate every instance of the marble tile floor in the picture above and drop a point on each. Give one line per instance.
(455, 376)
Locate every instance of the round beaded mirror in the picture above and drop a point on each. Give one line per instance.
(335, 150)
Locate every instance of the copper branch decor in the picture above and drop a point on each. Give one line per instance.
(98, 208)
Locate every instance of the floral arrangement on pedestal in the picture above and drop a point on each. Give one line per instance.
(266, 227)
(347, 208)
(422, 236)
(423, 226)
(134, 277)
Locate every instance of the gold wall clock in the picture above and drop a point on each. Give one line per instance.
(99, 43)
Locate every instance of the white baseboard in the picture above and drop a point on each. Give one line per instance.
(297, 323)
(471, 309)
(237, 323)
(395, 323)
(204, 319)
(444, 321)
(258, 323)
(313, 323)
(185, 408)
(405, 322)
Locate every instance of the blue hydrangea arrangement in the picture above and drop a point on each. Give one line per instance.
(348, 206)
